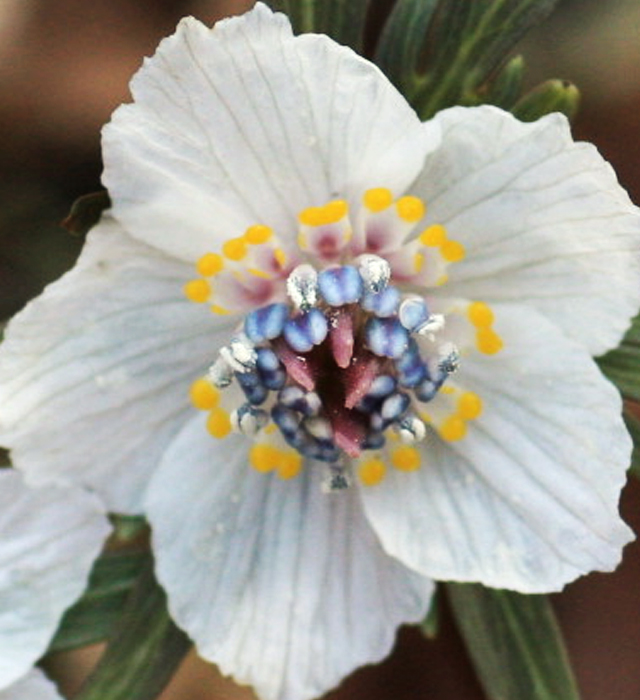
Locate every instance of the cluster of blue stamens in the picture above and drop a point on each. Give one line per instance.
(379, 330)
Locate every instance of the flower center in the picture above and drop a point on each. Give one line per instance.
(344, 357)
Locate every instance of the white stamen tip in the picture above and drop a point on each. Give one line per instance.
(248, 420)
(220, 373)
(241, 356)
(411, 430)
(336, 478)
(434, 324)
(374, 271)
(449, 358)
(319, 427)
(302, 286)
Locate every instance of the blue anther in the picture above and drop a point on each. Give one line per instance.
(410, 366)
(305, 330)
(297, 399)
(256, 394)
(374, 441)
(377, 423)
(286, 419)
(427, 389)
(413, 313)
(266, 323)
(386, 337)
(270, 370)
(248, 380)
(340, 285)
(381, 386)
(383, 304)
(394, 406)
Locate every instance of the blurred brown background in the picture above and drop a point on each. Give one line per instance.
(64, 67)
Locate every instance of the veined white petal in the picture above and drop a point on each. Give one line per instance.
(245, 123)
(284, 587)
(528, 500)
(543, 219)
(95, 373)
(34, 686)
(49, 539)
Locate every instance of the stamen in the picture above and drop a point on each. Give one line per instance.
(241, 356)
(220, 373)
(266, 323)
(258, 234)
(372, 471)
(204, 396)
(248, 420)
(197, 291)
(302, 287)
(218, 423)
(383, 304)
(328, 214)
(386, 337)
(406, 459)
(375, 272)
(413, 313)
(377, 199)
(410, 209)
(210, 264)
(340, 285)
(411, 429)
(235, 249)
(305, 330)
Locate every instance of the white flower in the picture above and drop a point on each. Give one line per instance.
(49, 539)
(295, 178)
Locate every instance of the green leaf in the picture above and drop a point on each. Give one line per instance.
(342, 20)
(86, 212)
(622, 365)
(633, 425)
(447, 59)
(506, 88)
(550, 96)
(93, 617)
(144, 651)
(514, 643)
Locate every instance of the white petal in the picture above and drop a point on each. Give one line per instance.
(281, 585)
(246, 124)
(95, 373)
(528, 500)
(34, 686)
(49, 539)
(543, 219)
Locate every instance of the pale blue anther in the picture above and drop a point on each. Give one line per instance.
(383, 304)
(270, 370)
(305, 330)
(427, 389)
(382, 385)
(413, 313)
(394, 406)
(286, 419)
(386, 337)
(410, 366)
(256, 394)
(266, 323)
(340, 285)
(377, 423)
(297, 399)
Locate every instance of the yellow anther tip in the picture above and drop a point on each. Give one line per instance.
(406, 459)
(377, 199)
(210, 264)
(488, 341)
(433, 236)
(410, 209)
(330, 213)
(235, 249)
(219, 310)
(452, 251)
(263, 457)
(454, 428)
(204, 396)
(280, 256)
(197, 291)
(372, 472)
(418, 262)
(289, 465)
(469, 405)
(480, 314)
(255, 235)
(218, 423)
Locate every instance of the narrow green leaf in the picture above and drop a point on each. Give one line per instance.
(514, 643)
(342, 20)
(430, 626)
(550, 96)
(402, 45)
(506, 88)
(86, 212)
(622, 365)
(144, 651)
(442, 56)
(93, 617)
(633, 425)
